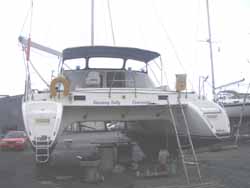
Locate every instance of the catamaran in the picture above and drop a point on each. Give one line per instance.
(105, 86)
(92, 92)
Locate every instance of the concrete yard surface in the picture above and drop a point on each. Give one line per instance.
(224, 168)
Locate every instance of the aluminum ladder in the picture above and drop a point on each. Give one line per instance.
(184, 161)
(42, 149)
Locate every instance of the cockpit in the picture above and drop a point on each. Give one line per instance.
(106, 67)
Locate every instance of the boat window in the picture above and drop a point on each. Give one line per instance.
(135, 65)
(105, 63)
(74, 64)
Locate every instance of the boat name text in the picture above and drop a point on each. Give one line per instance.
(117, 102)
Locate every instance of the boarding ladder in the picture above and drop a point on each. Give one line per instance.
(42, 146)
(185, 162)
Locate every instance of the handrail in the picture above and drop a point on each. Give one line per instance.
(133, 80)
(110, 88)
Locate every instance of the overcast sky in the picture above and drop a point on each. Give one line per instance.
(175, 28)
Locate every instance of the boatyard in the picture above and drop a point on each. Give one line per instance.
(224, 168)
(106, 103)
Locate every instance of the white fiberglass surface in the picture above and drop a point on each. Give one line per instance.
(41, 118)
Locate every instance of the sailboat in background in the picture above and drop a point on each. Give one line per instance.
(236, 104)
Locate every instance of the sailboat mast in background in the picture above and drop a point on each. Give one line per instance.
(92, 22)
(211, 49)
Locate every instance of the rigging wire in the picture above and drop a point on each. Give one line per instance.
(27, 75)
(156, 79)
(170, 40)
(27, 51)
(198, 8)
(30, 29)
(145, 42)
(106, 24)
(161, 68)
(39, 75)
(27, 16)
(31, 18)
(111, 22)
(25, 20)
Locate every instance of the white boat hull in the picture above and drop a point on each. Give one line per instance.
(235, 110)
(151, 114)
(42, 118)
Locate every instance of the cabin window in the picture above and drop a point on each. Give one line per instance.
(105, 63)
(135, 65)
(74, 64)
(116, 79)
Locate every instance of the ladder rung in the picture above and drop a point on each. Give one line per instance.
(42, 149)
(42, 142)
(42, 146)
(186, 146)
(41, 155)
(191, 162)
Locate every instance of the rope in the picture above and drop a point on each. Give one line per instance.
(111, 23)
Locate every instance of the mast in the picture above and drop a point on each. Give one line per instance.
(211, 49)
(92, 22)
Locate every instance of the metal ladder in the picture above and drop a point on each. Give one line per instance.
(184, 162)
(42, 149)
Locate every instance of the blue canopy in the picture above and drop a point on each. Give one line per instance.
(109, 52)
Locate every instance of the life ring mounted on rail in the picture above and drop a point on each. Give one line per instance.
(55, 81)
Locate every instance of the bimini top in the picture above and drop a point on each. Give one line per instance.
(109, 52)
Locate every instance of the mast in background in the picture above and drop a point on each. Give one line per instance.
(211, 49)
(92, 22)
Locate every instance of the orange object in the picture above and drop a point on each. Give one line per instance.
(53, 89)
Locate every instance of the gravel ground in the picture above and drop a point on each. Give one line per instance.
(17, 169)
(232, 167)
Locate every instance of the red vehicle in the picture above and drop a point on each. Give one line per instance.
(16, 140)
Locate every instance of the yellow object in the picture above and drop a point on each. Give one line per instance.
(180, 82)
(53, 89)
